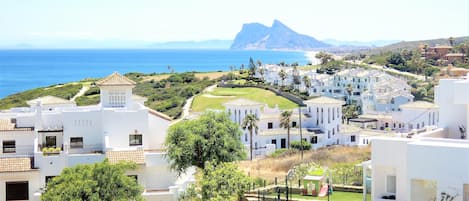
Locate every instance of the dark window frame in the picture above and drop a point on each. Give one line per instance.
(9, 146)
(76, 142)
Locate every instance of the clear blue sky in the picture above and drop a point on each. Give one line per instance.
(177, 20)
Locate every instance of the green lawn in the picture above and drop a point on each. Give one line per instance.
(336, 196)
(201, 103)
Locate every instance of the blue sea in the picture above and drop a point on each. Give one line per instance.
(27, 69)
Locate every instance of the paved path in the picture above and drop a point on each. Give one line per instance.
(187, 106)
(80, 93)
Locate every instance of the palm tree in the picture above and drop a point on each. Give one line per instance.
(307, 82)
(250, 122)
(261, 71)
(425, 49)
(283, 75)
(349, 90)
(285, 122)
(259, 63)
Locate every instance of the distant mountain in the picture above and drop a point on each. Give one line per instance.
(374, 43)
(116, 44)
(277, 37)
(206, 44)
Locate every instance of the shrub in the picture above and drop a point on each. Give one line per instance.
(303, 145)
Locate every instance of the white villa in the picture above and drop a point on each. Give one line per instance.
(321, 122)
(431, 165)
(373, 90)
(39, 141)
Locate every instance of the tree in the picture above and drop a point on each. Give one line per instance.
(349, 112)
(99, 181)
(259, 63)
(212, 137)
(296, 76)
(324, 57)
(252, 67)
(218, 182)
(307, 82)
(285, 122)
(395, 59)
(283, 75)
(250, 122)
(261, 71)
(451, 41)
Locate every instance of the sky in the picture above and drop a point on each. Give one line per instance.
(24, 21)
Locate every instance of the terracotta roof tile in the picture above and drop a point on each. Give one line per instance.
(115, 79)
(15, 164)
(136, 156)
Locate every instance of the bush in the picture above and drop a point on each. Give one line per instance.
(303, 145)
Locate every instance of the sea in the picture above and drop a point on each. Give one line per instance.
(27, 69)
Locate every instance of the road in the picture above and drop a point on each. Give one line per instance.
(391, 70)
(187, 106)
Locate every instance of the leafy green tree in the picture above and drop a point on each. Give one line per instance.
(250, 122)
(285, 122)
(218, 182)
(324, 57)
(212, 137)
(283, 75)
(349, 112)
(99, 181)
(395, 59)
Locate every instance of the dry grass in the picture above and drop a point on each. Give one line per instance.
(210, 75)
(269, 168)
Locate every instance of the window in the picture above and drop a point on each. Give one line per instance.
(293, 124)
(270, 125)
(9, 146)
(314, 140)
(76, 142)
(49, 178)
(352, 138)
(135, 140)
(17, 190)
(274, 141)
(391, 184)
(117, 98)
(246, 137)
(51, 141)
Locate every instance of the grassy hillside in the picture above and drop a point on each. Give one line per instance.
(66, 91)
(166, 93)
(409, 45)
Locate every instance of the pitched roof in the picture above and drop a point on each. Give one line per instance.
(419, 105)
(159, 114)
(115, 79)
(243, 102)
(49, 100)
(126, 155)
(324, 100)
(15, 164)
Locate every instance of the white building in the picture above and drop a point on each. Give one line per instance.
(372, 90)
(321, 121)
(52, 134)
(432, 165)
